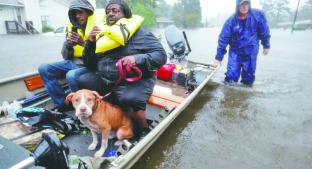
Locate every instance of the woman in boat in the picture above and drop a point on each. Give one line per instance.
(81, 20)
(143, 50)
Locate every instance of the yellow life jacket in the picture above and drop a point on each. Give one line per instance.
(98, 17)
(118, 34)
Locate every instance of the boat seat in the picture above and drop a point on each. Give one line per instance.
(162, 97)
(33, 82)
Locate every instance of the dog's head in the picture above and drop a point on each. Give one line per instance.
(84, 101)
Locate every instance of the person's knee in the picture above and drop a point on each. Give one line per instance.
(84, 81)
(133, 102)
(43, 69)
(128, 98)
(92, 82)
(71, 76)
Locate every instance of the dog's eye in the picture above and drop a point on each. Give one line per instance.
(77, 100)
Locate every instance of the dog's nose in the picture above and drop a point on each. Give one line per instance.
(83, 109)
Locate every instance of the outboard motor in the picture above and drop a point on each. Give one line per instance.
(177, 42)
(50, 153)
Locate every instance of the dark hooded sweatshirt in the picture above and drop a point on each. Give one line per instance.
(149, 56)
(144, 46)
(67, 51)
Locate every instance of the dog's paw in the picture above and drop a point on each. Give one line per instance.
(99, 154)
(112, 135)
(92, 146)
(118, 143)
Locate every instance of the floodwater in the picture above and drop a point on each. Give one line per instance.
(268, 126)
(226, 127)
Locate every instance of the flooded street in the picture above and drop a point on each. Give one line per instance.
(21, 54)
(268, 126)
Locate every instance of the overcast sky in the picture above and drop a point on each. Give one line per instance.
(226, 7)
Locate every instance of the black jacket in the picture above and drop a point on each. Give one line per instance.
(144, 46)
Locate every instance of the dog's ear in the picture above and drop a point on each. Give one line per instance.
(69, 97)
(97, 95)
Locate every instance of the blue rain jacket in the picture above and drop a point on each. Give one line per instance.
(243, 38)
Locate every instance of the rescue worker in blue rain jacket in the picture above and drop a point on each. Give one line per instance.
(242, 31)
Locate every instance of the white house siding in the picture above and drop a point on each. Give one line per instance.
(57, 13)
(55, 10)
(6, 13)
(32, 13)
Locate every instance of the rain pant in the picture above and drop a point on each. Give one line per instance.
(243, 38)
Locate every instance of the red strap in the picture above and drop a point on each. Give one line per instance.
(129, 70)
(122, 74)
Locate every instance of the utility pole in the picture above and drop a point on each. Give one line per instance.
(296, 14)
(207, 15)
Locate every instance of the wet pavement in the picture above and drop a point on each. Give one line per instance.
(228, 127)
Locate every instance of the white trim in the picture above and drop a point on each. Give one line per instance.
(12, 5)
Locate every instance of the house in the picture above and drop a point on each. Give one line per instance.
(29, 16)
(299, 25)
(11, 10)
(163, 22)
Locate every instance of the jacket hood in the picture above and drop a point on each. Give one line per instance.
(79, 5)
(239, 2)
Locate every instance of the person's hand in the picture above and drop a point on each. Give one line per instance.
(69, 43)
(74, 39)
(266, 51)
(95, 31)
(216, 63)
(128, 60)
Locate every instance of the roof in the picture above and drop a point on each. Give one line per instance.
(163, 20)
(300, 22)
(11, 3)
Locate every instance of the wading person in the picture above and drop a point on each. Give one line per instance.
(243, 31)
(142, 51)
(80, 15)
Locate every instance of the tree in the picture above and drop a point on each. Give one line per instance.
(187, 13)
(149, 3)
(101, 3)
(276, 11)
(146, 12)
(163, 9)
(140, 7)
(306, 11)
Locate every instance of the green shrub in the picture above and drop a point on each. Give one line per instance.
(47, 29)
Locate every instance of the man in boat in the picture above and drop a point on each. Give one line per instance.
(80, 12)
(142, 51)
(242, 31)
